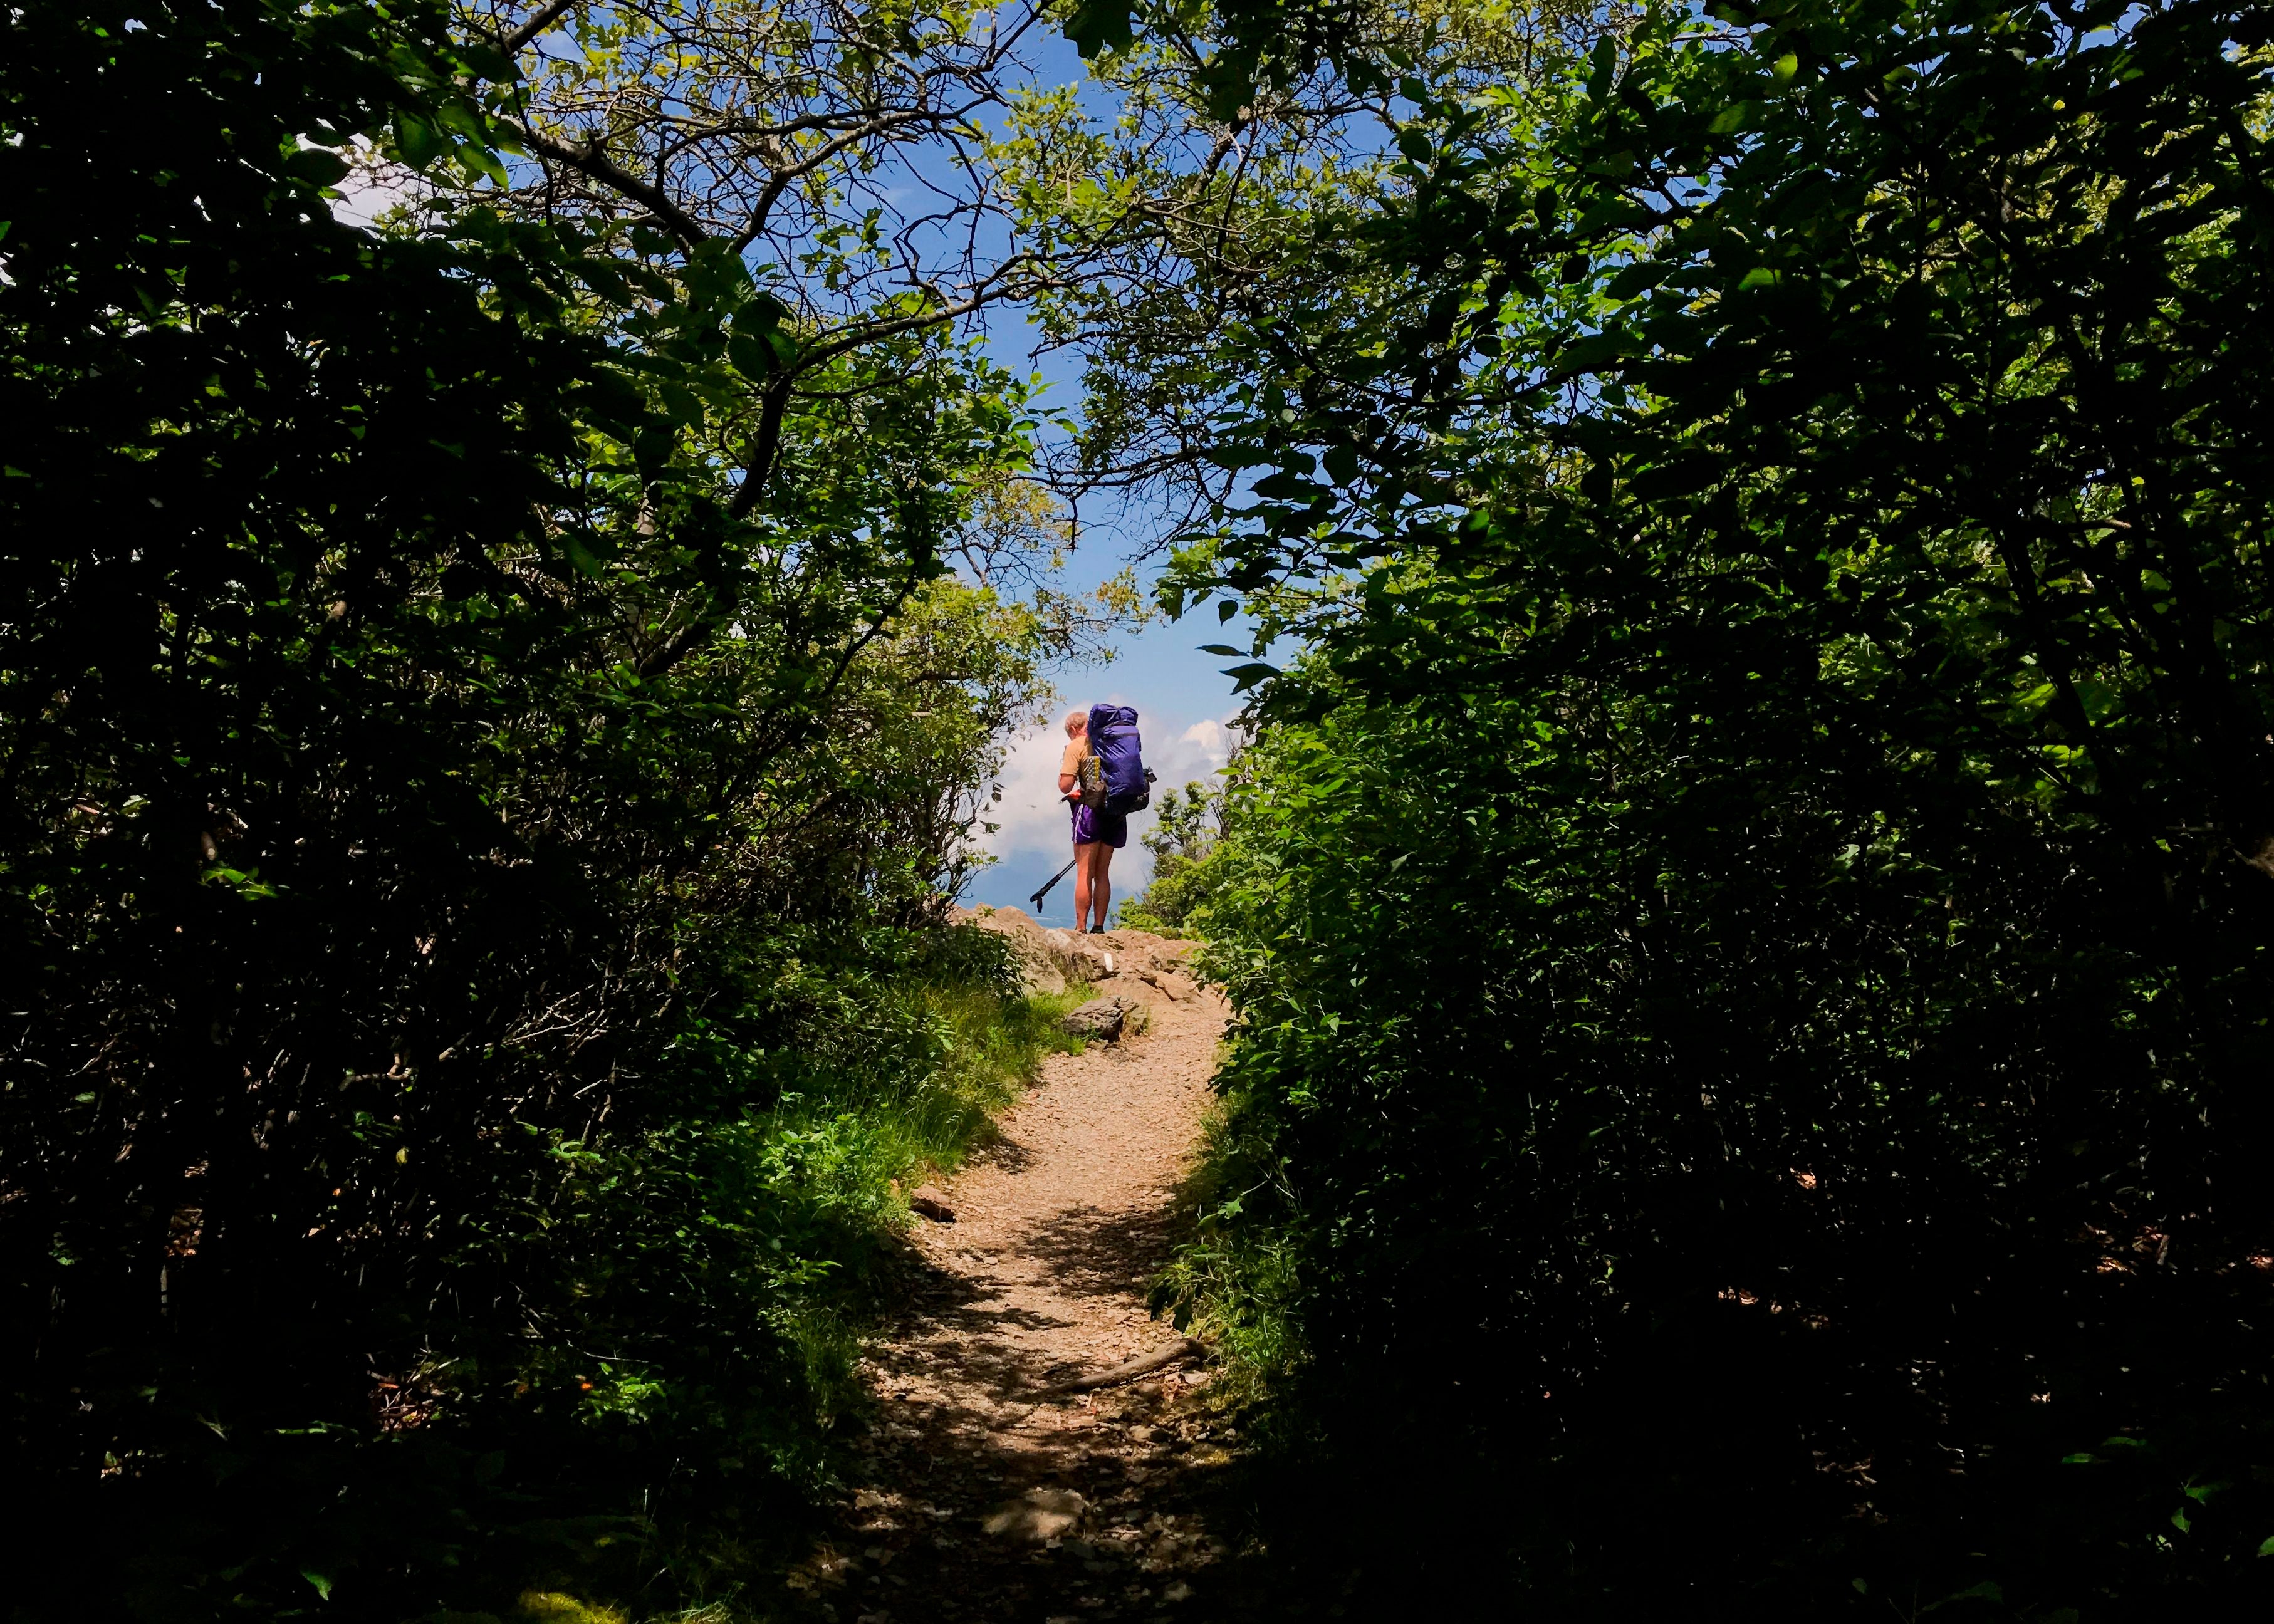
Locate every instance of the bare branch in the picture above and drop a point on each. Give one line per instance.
(588, 158)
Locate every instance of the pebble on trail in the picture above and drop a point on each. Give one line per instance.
(931, 1202)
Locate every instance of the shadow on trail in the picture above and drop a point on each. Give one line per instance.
(1102, 1255)
(973, 1494)
(1121, 1535)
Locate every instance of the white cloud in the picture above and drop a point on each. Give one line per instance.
(1030, 814)
(370, 188)
(1198, 752)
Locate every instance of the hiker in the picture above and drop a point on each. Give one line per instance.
(1097, 833)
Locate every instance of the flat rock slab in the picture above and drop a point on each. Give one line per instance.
(1038, 1514)
(1051, 959)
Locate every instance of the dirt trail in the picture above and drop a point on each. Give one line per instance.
(988, 1500)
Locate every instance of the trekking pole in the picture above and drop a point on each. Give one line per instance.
(1037, 898)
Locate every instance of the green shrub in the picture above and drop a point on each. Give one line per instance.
(1184, 880)
(1748, 922)
(468, 840)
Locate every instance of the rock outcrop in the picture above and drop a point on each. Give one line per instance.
(1133, 964)
(1045, 963)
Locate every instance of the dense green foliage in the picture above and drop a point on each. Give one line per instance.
(1749, 912)
(1183, 833)
(1750, 919)
(474, 836)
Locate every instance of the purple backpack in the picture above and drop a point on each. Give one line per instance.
(1113, 741)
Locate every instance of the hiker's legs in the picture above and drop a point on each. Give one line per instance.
(1100, 889)
(1081, 851)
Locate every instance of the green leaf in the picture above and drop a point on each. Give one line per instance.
(752, 356)
(460, 118)
(1602, 64)
(1597, 349)
(1989, 1590)
(476, 158)
(1639, 277)
(418, 142)
(583, 558)
(322, 1582)
(1285, 487)
(1099, 25)
(715, 276)
(756, 343)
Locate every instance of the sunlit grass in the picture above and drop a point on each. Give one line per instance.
(559, 1607)
(863, 1132)
(935, 1060)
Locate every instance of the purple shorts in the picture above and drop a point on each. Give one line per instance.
(1110, 827)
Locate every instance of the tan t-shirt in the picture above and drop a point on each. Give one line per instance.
(1077, 751)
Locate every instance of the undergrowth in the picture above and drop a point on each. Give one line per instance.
(898, 1076)
(655, 1445)
(1229, 1284)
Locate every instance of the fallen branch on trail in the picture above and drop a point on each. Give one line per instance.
(1144, 1365)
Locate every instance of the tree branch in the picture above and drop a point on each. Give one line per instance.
(546, 16)
(588, 158)
(758, 468)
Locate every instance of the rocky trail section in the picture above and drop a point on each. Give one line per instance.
(1004, 1482)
